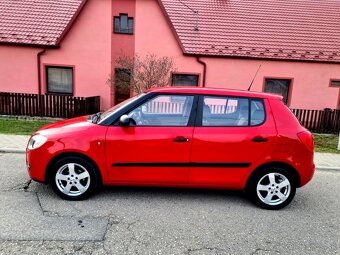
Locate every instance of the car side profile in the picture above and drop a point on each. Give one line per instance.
(179, 137)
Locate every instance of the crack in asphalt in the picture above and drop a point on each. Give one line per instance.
(210, 249)
(21, 186)
(51, 247)
(257, 250)
(133, 237)
(27, 185)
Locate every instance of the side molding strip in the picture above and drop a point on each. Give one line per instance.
(184, 164)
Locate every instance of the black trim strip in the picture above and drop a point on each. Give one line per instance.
(184, 164)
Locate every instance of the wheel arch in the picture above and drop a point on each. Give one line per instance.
(55, 159)
(288, 167)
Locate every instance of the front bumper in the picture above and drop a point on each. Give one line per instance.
(36, 164)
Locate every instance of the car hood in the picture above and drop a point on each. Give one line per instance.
(66, 126)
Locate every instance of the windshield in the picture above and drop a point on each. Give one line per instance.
(117, 107)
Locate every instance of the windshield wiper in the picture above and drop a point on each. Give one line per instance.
(96, 117)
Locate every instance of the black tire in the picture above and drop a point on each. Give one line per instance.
(76, 184)
(269, 194)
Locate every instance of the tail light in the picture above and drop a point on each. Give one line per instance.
(307, 139)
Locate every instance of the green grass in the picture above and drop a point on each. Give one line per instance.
(20, 127)
(326, 143)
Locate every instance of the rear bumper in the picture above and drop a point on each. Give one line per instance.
(306, 174)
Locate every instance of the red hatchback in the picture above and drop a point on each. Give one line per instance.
(179, 137)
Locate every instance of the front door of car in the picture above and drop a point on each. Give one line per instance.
(232, 134)
(155, 147)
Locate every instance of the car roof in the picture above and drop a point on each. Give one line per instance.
(214, 91)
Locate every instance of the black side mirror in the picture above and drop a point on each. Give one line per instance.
(124, 120)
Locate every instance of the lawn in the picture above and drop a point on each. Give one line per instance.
(326, 143)
(21, 127)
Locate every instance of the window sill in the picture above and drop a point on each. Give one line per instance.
(121, 33)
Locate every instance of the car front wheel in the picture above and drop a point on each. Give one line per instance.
(272, 188)
(74, 178)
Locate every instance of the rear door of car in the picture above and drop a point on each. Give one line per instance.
(155, 149)
(231, 134)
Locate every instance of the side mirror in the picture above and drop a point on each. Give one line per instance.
(124, 120)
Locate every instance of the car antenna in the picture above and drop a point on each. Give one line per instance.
(254, 77)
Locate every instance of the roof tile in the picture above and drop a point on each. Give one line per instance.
(36, 22)
(307, 30)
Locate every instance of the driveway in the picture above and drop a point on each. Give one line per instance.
(121, 220)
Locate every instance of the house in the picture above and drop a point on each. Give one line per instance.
(70, 46)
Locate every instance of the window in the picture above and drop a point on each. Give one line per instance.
(123, 24)
(335, 83)
(278, 86)
(231, 112)
(122, 85)
(164, 110)
(59, 79)
(257, 115)
(184, 80)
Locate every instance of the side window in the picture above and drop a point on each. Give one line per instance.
(225, 111)
(257, 110)
(163, 110)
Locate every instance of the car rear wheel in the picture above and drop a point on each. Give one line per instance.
(74, 178)
(272, 188)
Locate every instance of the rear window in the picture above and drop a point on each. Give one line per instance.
(232, 111)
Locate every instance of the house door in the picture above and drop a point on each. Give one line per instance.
(121, 85)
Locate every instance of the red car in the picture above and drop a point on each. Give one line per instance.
(179, 137)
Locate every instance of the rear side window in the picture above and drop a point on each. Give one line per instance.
(232, 111)
(257, 115)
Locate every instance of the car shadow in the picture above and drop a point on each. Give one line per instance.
(173, 193)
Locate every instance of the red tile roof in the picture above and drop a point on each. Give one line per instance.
(36, 22)
(307, 30)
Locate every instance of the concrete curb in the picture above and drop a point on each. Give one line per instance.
(11, 150)
(327, 168)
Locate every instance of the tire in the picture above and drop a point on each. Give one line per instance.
(74, 178)
(271, 188)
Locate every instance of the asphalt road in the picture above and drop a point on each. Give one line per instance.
(121, 220)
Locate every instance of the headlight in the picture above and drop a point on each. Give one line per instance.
(36, 141)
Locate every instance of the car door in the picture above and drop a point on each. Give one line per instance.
(232, 134)
(155, 148)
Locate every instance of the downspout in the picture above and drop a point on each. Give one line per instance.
(39, 81)
(39, 69)
(204, 70)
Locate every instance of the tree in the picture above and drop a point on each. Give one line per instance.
(141, 73)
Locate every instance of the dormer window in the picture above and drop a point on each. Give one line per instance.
(123, 24)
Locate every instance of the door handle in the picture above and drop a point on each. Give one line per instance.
(181, 139)
(259, 139)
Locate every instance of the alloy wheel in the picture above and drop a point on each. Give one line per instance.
(273, 189)
(72, 179)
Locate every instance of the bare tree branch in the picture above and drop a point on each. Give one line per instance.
(140, 74)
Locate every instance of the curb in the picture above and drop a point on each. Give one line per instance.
(327, 168)
(11, 150)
